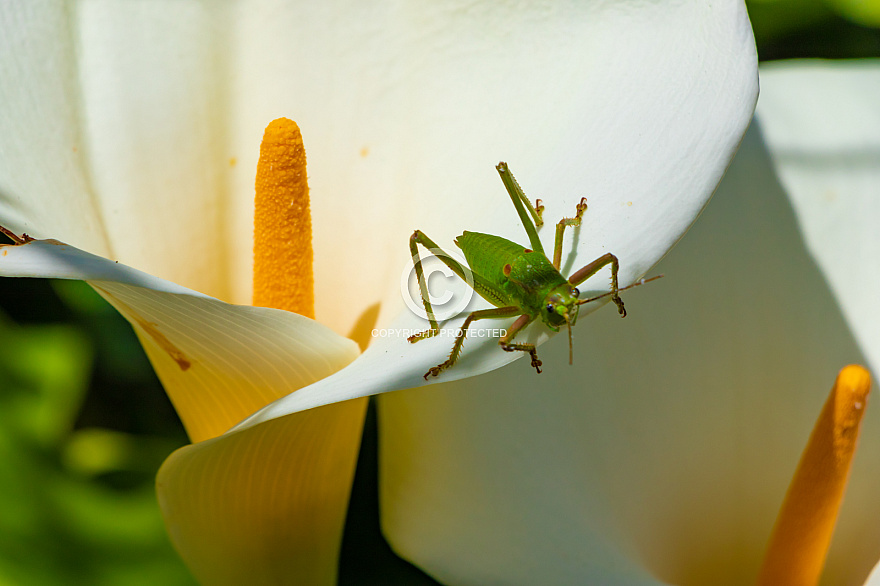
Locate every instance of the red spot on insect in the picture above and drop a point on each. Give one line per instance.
(526, 250)
(506, 270)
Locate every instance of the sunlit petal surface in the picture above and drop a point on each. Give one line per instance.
(671, 440)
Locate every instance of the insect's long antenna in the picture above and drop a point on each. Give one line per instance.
(607, 293)
(570, 361)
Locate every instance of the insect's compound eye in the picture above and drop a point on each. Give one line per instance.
(575, 292)
(550, 308)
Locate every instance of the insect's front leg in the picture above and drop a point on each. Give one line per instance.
(591, 269)
(418, 237)
(521, 322)
(560, 229)
(495, 313)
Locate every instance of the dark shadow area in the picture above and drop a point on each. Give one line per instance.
(366, 557)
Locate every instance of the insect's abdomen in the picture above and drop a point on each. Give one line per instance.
(486, 255)
(523, 276)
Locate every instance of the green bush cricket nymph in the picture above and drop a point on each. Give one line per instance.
(518, 281)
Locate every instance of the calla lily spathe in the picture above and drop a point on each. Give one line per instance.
(130, 131)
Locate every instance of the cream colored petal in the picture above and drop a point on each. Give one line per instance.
(45, 188)
(821, 121)
(217, 362)
(671, 440)
(221, 362)
(267, 505)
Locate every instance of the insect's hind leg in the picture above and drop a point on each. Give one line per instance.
(591, 269)
(462, 332)
(523, 206)
(418, 237)
(560, 229)
(517, 326)
(516, 191)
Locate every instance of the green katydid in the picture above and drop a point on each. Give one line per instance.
(517, 280)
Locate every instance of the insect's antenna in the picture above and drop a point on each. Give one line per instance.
(570, 361)
(607, 293)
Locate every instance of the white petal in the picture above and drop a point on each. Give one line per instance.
(111, 136)
(217, 362)
(640, 108)
(151, 84)
(874, 578)
(821, 121)
(51, 259)
(44, 186)
(673, 437)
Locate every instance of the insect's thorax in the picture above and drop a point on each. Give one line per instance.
(521, 276)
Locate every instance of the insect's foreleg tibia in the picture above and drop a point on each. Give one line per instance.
(591, 269)
(430, 333)
(560, 230)
(456, 348)
(530, 348)
(462, 332)
(520, 323)
(419, 238)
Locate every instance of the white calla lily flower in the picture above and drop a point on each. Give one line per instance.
(130, 132)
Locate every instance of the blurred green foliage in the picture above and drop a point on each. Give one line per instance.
(85, 424)
(78, 502)
(831, 29)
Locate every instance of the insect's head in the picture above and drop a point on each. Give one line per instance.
(560, 307)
